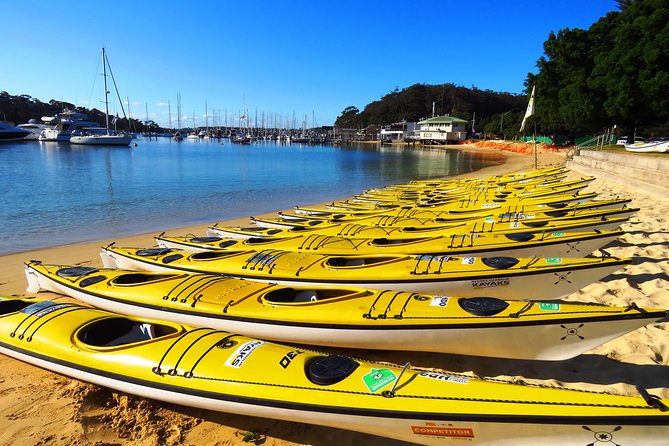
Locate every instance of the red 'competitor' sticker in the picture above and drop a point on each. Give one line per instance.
(441, 431)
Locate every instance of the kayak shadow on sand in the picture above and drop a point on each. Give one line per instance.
(635, 280)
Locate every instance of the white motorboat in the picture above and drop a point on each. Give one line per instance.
(35, 127)
(61, 126)
(10, 133)
(648, 147)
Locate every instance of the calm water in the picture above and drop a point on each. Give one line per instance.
(53, 193)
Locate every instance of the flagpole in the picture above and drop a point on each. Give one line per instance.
(535, 145)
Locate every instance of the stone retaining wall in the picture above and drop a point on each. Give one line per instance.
(643, 171)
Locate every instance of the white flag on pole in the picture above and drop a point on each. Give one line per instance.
(530, 109)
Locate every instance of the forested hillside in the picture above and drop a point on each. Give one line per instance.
(417, 101)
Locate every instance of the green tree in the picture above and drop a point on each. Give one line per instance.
(348, 118)
(634, 73)
(616, 72)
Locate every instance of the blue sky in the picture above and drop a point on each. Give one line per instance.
(285, 58)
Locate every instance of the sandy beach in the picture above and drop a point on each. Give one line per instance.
(38, 407)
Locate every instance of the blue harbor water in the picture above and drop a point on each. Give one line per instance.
(53, 193)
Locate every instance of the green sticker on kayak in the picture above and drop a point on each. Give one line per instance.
(558, 234)
(377, 379)
(553, 260)
(549, 307)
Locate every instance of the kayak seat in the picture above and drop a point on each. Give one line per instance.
(75, 271)
(150, 252)
(500, 262)
(328, 370)
(483, 306)
(118, 331)
(12, 306)
(227, 243)
(557, 205)
(520, 237)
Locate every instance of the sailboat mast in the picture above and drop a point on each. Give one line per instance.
(104, 75)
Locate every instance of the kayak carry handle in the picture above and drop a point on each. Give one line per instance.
(652, 400)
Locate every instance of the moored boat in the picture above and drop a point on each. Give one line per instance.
(106, 137)
(648, 147)
(346, 316)
(503, 277)
(220, 371)
(9, 133)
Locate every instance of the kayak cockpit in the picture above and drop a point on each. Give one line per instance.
(297, 296)
(349, 262)
(118, 331)
(139, 278)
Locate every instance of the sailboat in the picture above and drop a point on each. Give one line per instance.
(177, 135)
(103, 137)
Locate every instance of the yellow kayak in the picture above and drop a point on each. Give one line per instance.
(432, 219)
(217, 370)
(559, 210)
(528, 191)
(503, 277)
(551, 244)
(465, 224)
(513, 178)
(346, 316)
(356, 230)
(469, 203)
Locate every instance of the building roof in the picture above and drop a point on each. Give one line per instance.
(441, 120)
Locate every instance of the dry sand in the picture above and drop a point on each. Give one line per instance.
(42, 408)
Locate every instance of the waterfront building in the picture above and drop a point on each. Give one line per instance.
(441, 130)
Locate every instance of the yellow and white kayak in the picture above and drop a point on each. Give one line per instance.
(503, 277)
(356, 230)
(552, 210)
(346, 316)
(217, 370)
(464, 224)
(472, 202)
(552, 244)
(410, 218)
(542, 189)
(530, 195)
(519, 179)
